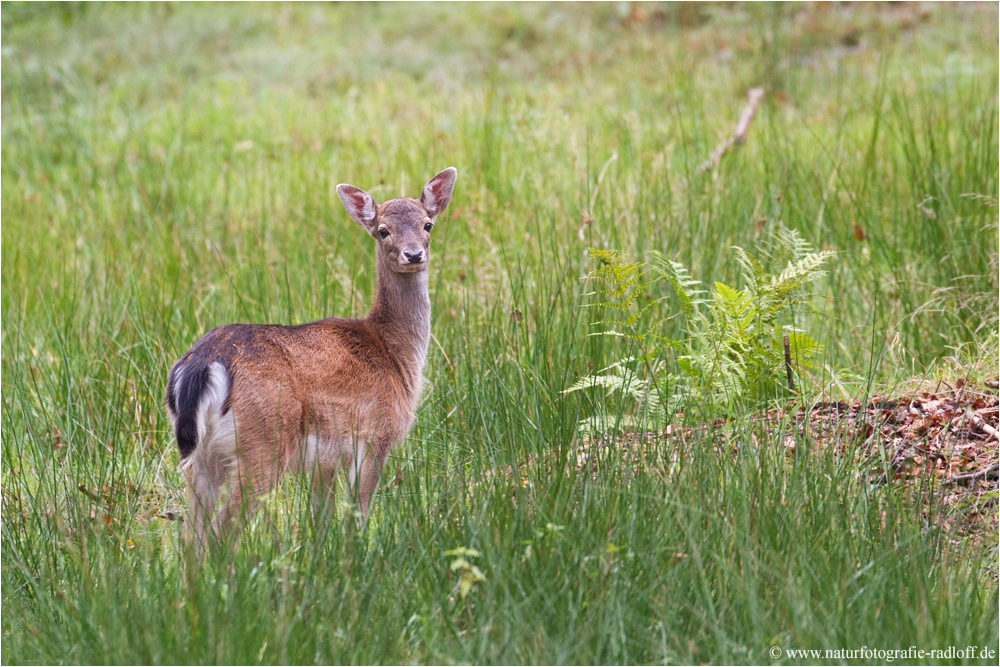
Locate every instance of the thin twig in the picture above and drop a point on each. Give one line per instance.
(739, 137)
(788, 365)
(967, 480)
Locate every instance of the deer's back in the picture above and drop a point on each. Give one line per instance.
(329, 378)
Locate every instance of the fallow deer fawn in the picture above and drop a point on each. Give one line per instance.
(250, 403)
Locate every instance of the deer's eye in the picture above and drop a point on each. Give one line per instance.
(383, 233)
(428, 227)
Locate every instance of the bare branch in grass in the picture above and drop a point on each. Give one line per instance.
(739, 137)
(972, 478)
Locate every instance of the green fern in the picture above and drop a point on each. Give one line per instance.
(637, 379)
(790, 241)
(684, 285)
(733, 349)
(620, 286)
(621, 380)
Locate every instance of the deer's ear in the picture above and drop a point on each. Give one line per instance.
(359, 204)
(437, 192)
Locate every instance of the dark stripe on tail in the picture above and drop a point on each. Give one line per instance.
(194, 381)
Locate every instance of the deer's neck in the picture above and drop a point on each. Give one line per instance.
(402, 316)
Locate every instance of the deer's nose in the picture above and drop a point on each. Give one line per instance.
(414, 257)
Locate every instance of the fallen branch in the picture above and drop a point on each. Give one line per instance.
(754, 98)
(984, 427)
(967, 480)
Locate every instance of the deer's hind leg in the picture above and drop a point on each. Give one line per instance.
(263, 452)
(205, 477)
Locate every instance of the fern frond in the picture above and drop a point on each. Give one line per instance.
(604, 256)
(736, 305)
(629, 322)
(803, 349)
(684, 285)
(806, 268)
(790, 239)
(754, 272)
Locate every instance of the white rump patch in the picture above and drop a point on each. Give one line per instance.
(216, 432)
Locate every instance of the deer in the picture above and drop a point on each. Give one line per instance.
(251, 403)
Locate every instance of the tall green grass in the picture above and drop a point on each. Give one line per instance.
(170, 168)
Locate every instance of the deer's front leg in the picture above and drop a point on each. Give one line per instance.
(367, 480)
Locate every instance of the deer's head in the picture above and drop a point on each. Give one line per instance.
(402, 226)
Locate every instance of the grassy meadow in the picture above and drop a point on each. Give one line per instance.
(171, 168)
